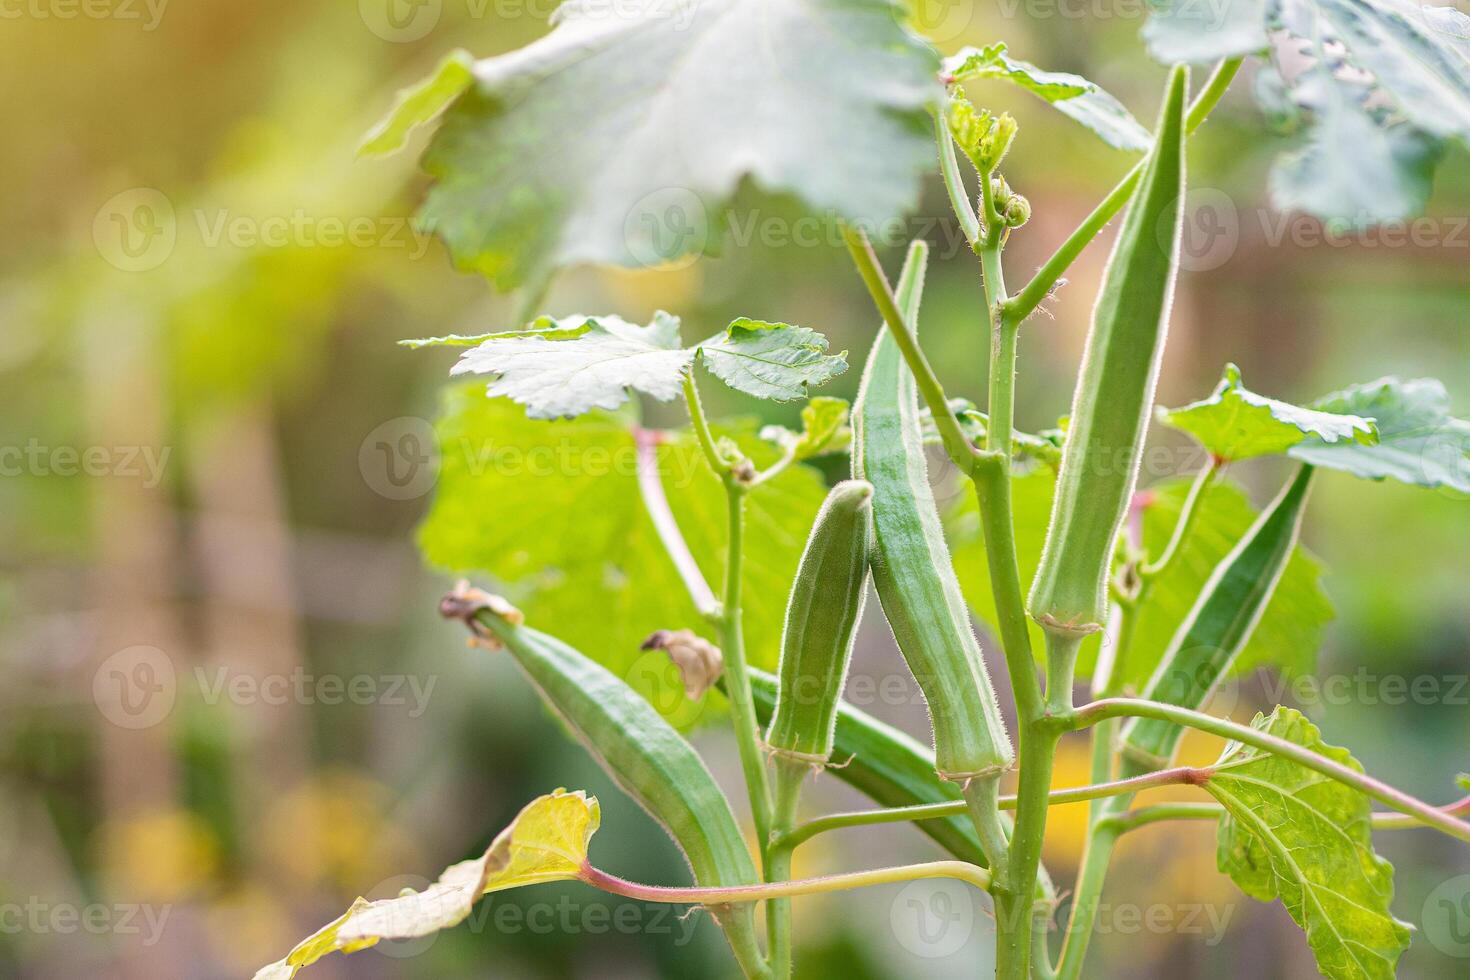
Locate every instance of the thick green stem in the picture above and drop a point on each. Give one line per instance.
(1035, 291)
(1097, 711)
(786, 791)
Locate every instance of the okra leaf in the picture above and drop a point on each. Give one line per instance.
(1420, 442)
(563, 368)
(1190, 31)
(771, 360)
(1371, 89)
(547, 841)
(1071, 95)
(1294, 834)
(420, 103)
(823, 430)
(1236, 423)
(552, 512)
(621, 136)
(1287, 637)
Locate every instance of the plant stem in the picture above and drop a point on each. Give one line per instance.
(787, 795)
(1092, 713)
(955, 443)
(1183, 525)
(1180, 775)
(949, 168)
(717, 462)
(972, 874)
(982, 799)
(732, 644)
(656, 502)
(1035, 291)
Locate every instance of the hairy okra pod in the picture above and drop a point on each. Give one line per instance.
(912, 572)
(822, 615)
(1219, 625)
(652, 762)
(1115, 389)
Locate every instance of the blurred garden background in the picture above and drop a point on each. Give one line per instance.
(228, 704)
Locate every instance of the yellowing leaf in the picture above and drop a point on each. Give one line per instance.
(547, 841)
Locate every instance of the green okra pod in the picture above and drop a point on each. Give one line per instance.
(912, 571)
(888, 767)
(1115, 389)
(822, 615)
(1219, 625)
(652, 762)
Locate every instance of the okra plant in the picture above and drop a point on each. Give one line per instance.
(686, 575)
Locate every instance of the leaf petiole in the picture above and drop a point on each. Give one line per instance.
(971, 874)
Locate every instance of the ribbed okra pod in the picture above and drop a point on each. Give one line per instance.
(912, 572)
(651, 761)
(822, 615)
(1219, 625)
(1115, 389)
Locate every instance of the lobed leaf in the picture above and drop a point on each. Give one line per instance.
(564, 368)
(547, 841)
(771, 360)
(1236, 423)
(1420, 442)
(1072, 95)
(1384, 83)
(1297, 835)
(621, 136)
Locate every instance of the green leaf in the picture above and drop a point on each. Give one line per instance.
(1236, 423)
(547, 841)
(419, 104)
(563, 368)
(1072, 95)
(823, 430)
(1386, 176)
(983, 136)
(1420, 442)
(1194, 32)
(1295, 834)
(1375, 85)
(1287, 637)
(543, 327)
(771, 360)
(553, 513)
(621, 136)
(590, 364)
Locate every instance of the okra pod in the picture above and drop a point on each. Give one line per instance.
(888, 767)
(652, 762)
(1219, 625)
(912, 571)
(822, 615)
(1115, 389)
